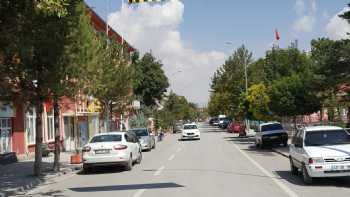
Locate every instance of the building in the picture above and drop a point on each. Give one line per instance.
(79, 117)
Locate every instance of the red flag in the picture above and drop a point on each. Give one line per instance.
(277, 35)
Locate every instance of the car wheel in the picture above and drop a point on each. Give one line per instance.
(293, 169)
(306, 178)
(128, 166)
(139, 159)
(86, 168)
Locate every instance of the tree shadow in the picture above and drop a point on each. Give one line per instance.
(126, 187)
(53, 193)
(343, 182)
(18, 177)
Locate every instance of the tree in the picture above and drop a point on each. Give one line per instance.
(150, 80)
(258, 102)
(228, 84)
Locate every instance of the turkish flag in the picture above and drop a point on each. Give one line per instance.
(277, 35)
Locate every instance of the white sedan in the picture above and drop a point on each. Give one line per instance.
(112, 148)
(190, 131)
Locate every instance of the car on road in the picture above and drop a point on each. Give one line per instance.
(214, 121)
(320, 151)
(177, 127)
(271, 133)
(146, 138)
(113, 148)
(224, 122)
(190, 131)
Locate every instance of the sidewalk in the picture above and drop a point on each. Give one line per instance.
(17, 178)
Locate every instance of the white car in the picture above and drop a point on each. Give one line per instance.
(112, 148)
(190, 131)
(271, 133)
(320, 151)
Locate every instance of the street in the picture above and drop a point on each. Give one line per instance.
(220, 164)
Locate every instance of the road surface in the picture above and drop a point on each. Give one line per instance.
(218, 165)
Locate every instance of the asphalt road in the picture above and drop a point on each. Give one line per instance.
(218, 165)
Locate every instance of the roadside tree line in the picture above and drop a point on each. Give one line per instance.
(284, 83)
(49, 49)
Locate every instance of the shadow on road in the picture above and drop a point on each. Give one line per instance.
(297, 180)
(104, 170)
(55, 193)
(126, 187)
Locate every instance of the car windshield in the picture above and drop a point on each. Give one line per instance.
(271, 127)
(140, 132)
(187, 127)
(106, 138)
(330, 137)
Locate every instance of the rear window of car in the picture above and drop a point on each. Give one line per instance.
(322, 138)
(140, 132)
(186, 127)
(106, 138)
(271, 127)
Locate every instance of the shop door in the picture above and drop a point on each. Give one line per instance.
(83, 132)
(5, 135)
(69, 134)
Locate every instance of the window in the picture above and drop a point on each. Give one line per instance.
(106, 138)
(50, 126)
(30, 126)
(271, 127)
(323, 138)
(140, 132)
(187, 127)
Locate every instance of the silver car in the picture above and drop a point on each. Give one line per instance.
(147, 139)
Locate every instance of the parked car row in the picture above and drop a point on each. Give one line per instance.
(117, 148)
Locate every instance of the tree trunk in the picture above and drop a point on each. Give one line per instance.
(38, 139)
(107, 117)
(56, 163)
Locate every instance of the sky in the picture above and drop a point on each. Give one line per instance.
(193, 38)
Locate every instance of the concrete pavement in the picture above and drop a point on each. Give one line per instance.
(220, 164)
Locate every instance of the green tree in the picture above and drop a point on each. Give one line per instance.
(150, 82)
(258, 102)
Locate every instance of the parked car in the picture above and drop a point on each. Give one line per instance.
(214, 121)
(146, 138)
(271, 133)
(122, 148)
(177, 127)
(320, 151)
(224, 122)
(190, 131)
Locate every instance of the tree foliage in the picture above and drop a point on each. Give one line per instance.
(150, 81)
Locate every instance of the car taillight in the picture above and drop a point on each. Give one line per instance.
(86, 149)
(311, 161)
(120, 147)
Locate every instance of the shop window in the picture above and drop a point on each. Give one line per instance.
(50, 126)
(30, 126)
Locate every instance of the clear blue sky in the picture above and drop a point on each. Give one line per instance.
(207, 25)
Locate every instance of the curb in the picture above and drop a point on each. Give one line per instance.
(286, 155)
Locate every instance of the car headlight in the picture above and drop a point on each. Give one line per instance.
(316, 160)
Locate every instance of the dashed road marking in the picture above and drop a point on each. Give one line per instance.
(268, 174)
(159, 171)
(171, 157)
(139, 193)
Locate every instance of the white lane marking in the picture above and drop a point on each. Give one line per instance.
(268, 174)
(159, 171)
(171, 157)
(178, 150)
(139, 193)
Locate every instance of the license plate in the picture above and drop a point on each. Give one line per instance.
(273, 137)
(104, 151)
